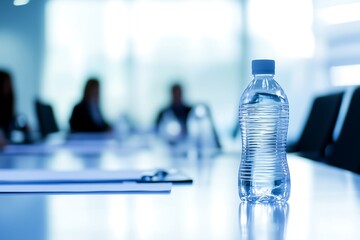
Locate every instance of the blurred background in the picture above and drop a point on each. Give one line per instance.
(139, 48)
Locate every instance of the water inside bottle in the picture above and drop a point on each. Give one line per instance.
(263, 173)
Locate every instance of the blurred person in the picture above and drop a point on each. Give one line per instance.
(178, 110)
(86, 115)
(9, 120)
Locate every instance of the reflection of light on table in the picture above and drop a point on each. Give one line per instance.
(324, 201)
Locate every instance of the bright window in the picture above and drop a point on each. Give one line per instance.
(138, 48)
(345, 75)
(282, 28)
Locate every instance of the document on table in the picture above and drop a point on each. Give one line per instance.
(20, 176)
(80, 176)
(82, 181)
(88, 188)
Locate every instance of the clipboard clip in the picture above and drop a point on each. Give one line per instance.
(158, 175)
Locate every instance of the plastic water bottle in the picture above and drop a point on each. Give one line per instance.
(170, 128)
(201, 133)
(264, 117)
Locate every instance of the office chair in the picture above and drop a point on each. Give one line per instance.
(319, 127)
(46, 119)
(345, 152)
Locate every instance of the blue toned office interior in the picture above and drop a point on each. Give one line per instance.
(138, 50)
(119, 119)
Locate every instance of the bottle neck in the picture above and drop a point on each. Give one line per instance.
(262, 77)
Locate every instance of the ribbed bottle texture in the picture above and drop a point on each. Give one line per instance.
(264, 115)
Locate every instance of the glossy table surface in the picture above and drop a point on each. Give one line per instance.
(324, 201)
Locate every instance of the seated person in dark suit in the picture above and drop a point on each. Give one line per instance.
(9, 120)
(86, 115)
(179, 109)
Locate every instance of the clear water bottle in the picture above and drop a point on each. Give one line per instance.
(264, 117)
(170, 128)
(202, 138)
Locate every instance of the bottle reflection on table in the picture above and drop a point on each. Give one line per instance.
(263, 221)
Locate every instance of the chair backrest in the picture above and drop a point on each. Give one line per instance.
(320, 124)
(346, 150)
(46, 119)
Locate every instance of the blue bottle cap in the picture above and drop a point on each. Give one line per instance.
(263, 66)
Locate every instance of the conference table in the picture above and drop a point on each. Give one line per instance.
(324, 201)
